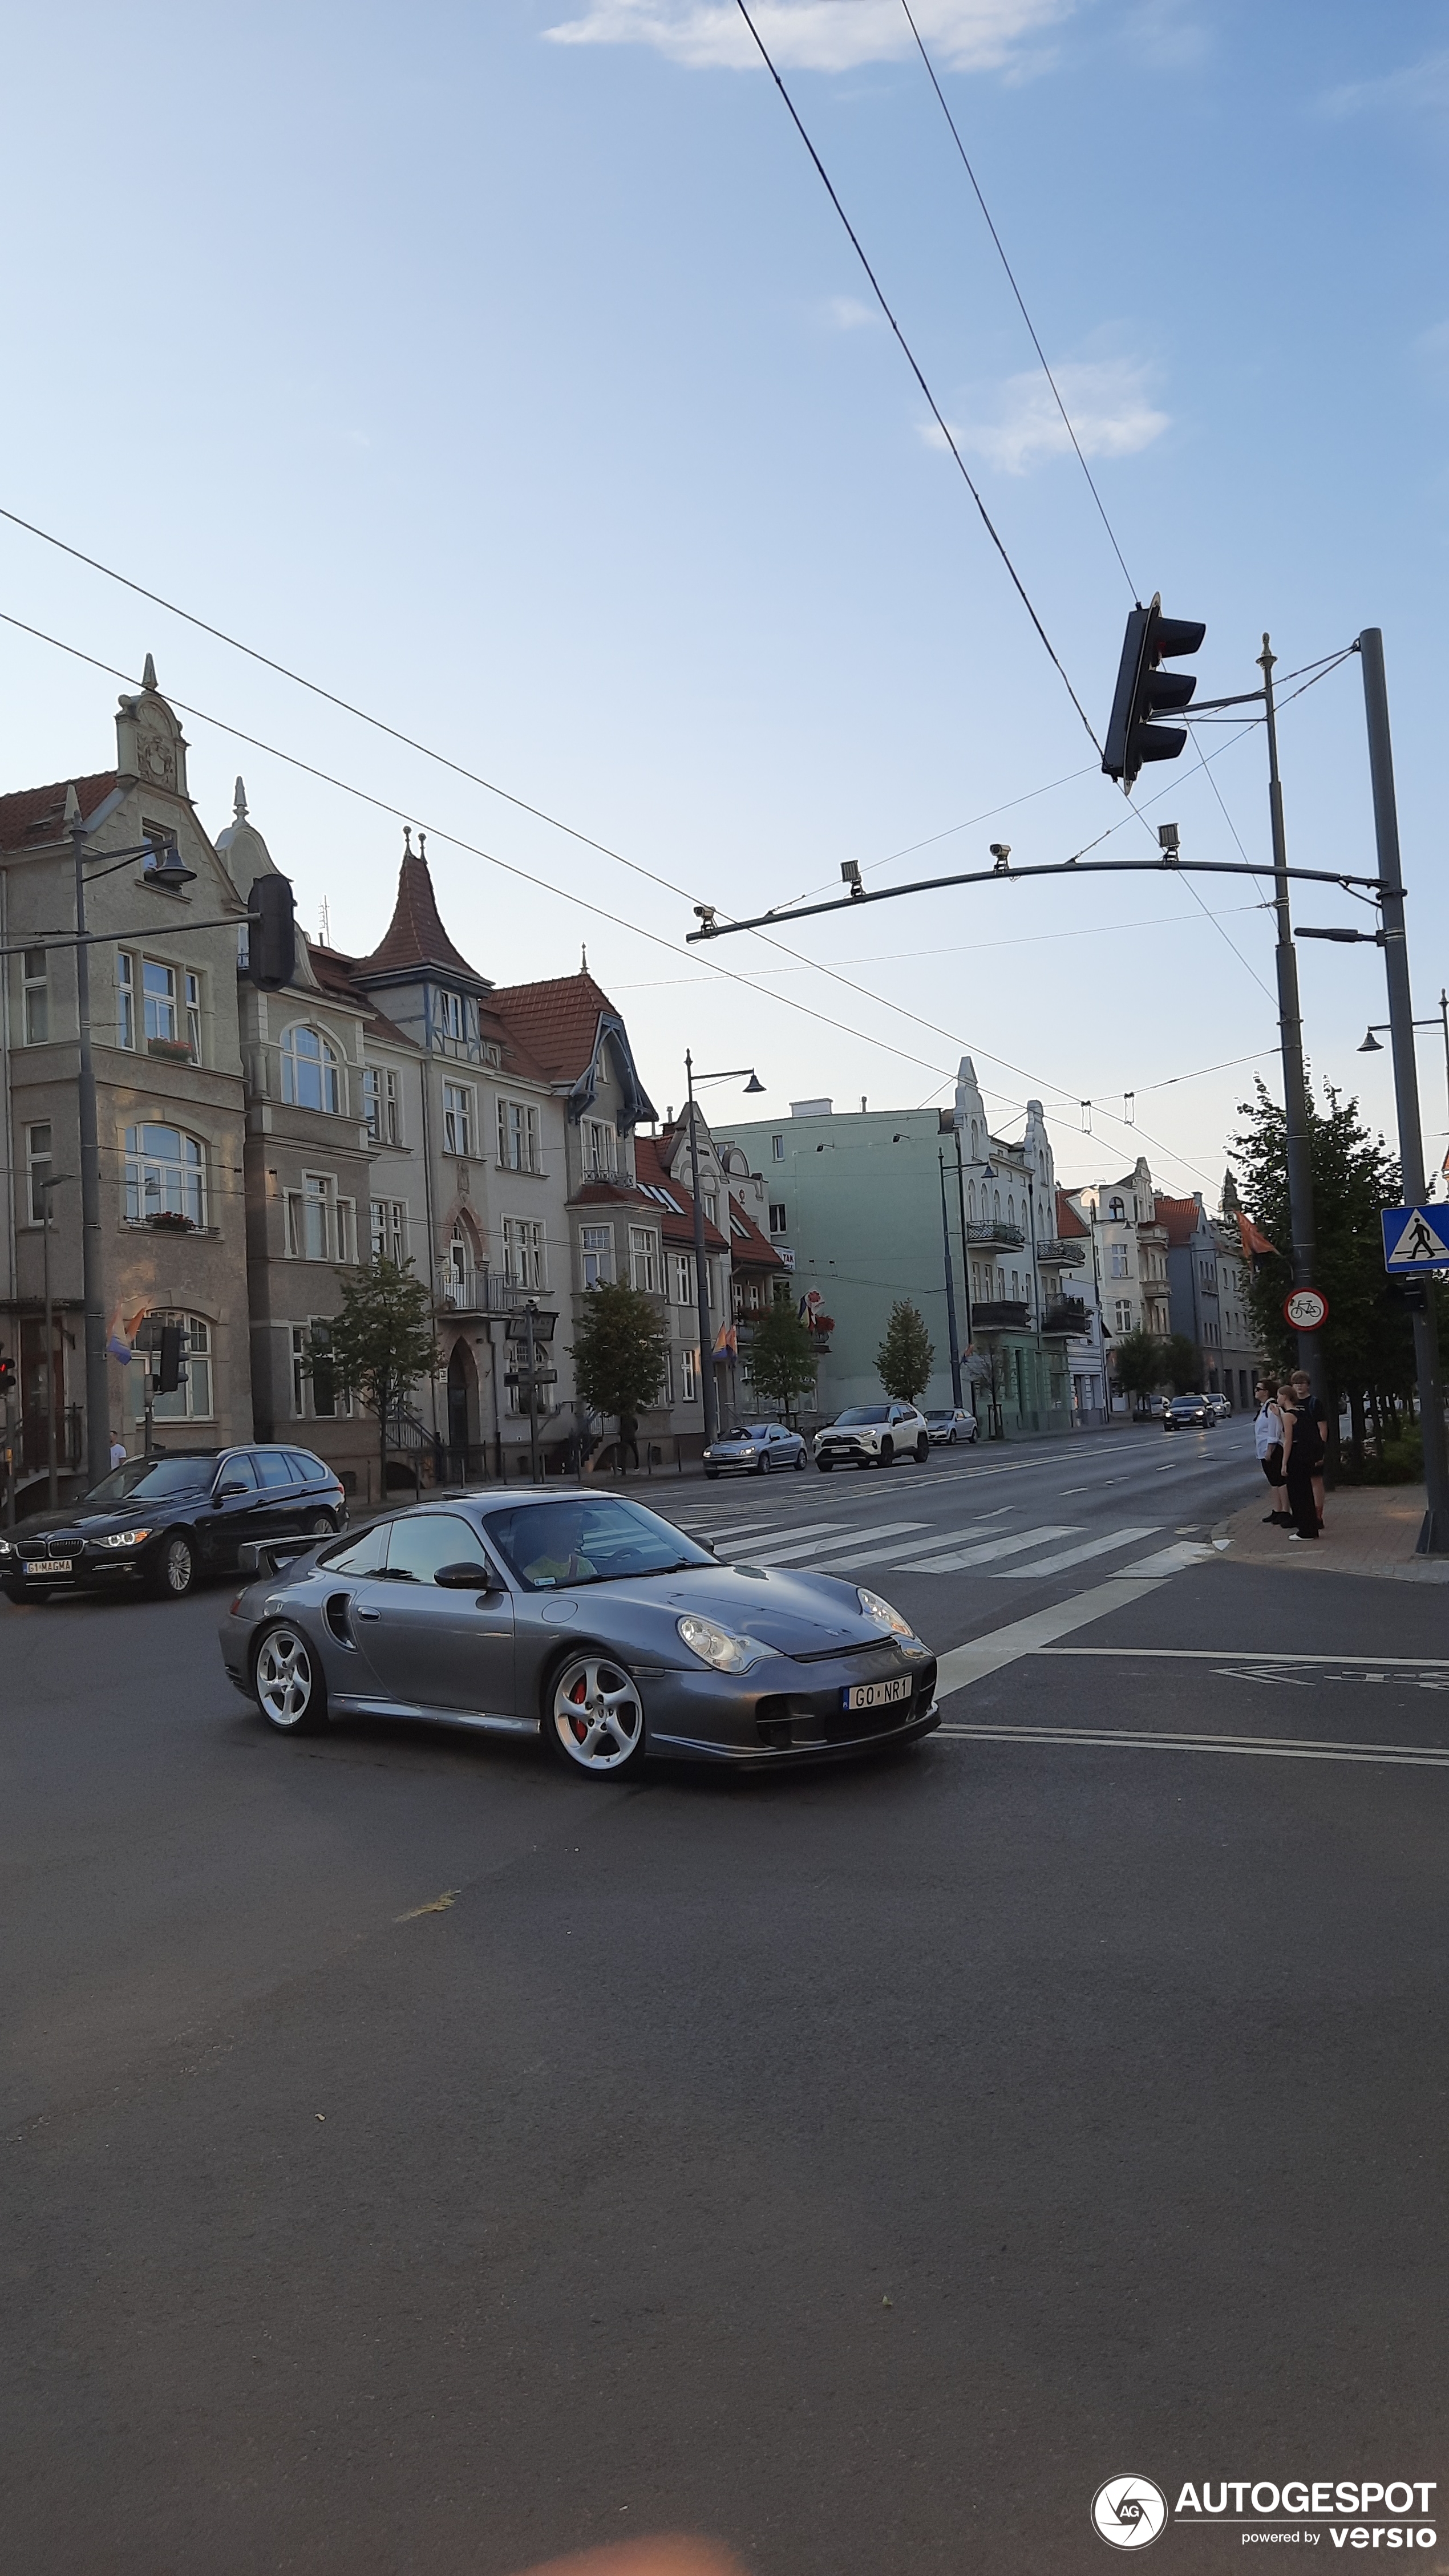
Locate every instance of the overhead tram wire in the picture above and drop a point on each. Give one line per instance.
(1021, 301)
(912, 362)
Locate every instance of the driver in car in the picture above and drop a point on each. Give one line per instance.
(563, 1559)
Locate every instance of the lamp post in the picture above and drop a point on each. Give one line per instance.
(1382, 1028)
(950, 1287)
(52, 1479)
(1290, 1038)
(737, 1073)
(988, 1173)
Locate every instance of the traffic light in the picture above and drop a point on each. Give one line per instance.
(1145, 690)
(272, 944)
(172, 1340)
(7, 1374)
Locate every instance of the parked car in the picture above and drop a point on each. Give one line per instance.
(583, 1618)
(1180, 1409)
(754, 1450)
(161, 1522)
(873, 1435)
(948, 1427)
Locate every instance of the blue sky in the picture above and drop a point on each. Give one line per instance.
(505, 369)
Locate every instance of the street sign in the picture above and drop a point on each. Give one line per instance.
(1415, 1239)
(1306, 1309)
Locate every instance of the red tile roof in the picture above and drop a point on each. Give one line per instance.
(415, 936)
(556, 1023)
(1069, 1224)
(750, 1249)
(1182, 1218)
(36, 815)
(654, 1173)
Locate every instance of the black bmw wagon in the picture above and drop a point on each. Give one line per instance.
(160, 1523)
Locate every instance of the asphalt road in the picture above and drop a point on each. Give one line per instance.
(419, 2159)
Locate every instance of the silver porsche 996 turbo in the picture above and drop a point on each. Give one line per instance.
(583, 1617)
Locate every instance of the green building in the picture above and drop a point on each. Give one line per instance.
(854, 1202)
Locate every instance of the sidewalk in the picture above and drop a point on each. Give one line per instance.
(1369, 1529)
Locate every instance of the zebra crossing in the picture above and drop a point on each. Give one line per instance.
(913, 1546)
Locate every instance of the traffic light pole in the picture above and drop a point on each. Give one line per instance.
(98, 1393)
(1434, 1535)
(950, 1290)
(1290, 1033)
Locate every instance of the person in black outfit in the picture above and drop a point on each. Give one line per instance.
(1307, 1402)
(1302, 1457)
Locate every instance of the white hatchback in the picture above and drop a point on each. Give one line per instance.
(874, 1435)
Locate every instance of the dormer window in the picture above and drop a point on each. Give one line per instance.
(452, 1014)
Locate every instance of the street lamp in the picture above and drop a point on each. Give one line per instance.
(43, 1189)
(1384, 1028)
(737, 1073)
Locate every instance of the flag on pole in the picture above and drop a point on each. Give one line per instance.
(726, 1340)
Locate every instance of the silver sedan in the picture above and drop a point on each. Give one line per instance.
(586, 1620)
(754, 1450)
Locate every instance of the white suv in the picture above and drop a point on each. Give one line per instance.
(874, 1435)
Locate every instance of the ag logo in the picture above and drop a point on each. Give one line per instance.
(1129, 2512)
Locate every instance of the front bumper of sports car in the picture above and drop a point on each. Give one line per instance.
(788, 1712)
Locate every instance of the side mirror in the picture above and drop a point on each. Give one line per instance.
(699, 1540)
(467, 1576)
(228, 1492)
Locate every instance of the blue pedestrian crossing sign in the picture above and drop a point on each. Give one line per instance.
(1415, 1238)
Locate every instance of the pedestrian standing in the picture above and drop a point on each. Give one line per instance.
(1302, 1457)
(1268, 1440)
(118, 1453)
(1306, 1400)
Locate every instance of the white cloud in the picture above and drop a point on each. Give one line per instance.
(1020, 427)
(1422, 86)
(847, 313)
(816, 35)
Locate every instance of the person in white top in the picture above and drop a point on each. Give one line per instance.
(1268, 1441)
(118, 1453)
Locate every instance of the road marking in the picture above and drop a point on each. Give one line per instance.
(980, 1656)
(1428, 1757)
(777, 1554)
(892, 1551)
(1174, 1559)
(1074, 1555)
(1257, 1655)
(994, 1547)
(783, 1530)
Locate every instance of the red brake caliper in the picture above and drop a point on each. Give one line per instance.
(579, 1695)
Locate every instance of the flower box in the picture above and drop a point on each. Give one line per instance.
(171, 1221)
(170, 1050)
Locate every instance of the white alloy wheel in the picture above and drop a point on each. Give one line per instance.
(764, 1462)
(596, 1717)
(800, 1455)
(321, 1525)
(287, 1681)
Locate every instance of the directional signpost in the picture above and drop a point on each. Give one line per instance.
(1416, 1240)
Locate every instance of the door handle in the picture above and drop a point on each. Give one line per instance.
(369, 1614)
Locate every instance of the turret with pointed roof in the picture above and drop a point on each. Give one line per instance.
(415, 944)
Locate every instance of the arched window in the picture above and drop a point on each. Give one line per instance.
(310, 1077)
(1010, 1209)
(191, 1401)
(1116, 1211)
(996, 1203)
(975, 1141)
(165, 1175)
(971, 1200)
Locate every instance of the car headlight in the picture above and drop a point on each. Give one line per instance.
(127, 1538)
(719, 1647)
(882, 1613)
(5, 1547)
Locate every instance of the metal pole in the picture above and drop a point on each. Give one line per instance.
(950, 1290)
(1290, 1027)
(98, 1394)
(701, 1272)
(148, 1423)
(1444, 1016)
(52, 1484)
(530, 1310)
(1434, 1535)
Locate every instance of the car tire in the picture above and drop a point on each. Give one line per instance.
(951, 1437)
(886, 1455)
(763, 1467)
(287, 1680)
(825, 1465)
(923, 1448)
(173, 1571)
(322, 1525)
(711, 1475)
(800, 1457)
(600, 1689)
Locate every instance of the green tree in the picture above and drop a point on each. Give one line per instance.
(1181, 1363)
(1367, 1342)
(619, 1353)
(903, 1362)
(378, 1344)
(1141, 1363)
(782, 1356)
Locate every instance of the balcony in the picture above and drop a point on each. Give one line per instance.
(994, 1230)
(1057, 1255)
(999, 1315)
(1065, 1315)
(478, 1292)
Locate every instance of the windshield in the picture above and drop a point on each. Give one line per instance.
(755, 1431)
(596, 1540)
(154, 1478)
(945, 1416)
(855, 1413)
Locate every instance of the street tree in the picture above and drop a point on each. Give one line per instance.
(782, 1356)
(1367, 1342)
(1181, 1363)
(378, 1344)
(1141, 1363)
(903, 1362)
(619, 1354)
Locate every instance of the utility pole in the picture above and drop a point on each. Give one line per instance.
(950, 1289)
(1434, 1535)
(1290, 1028)
(98, 1398)
(701, 1269)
